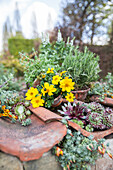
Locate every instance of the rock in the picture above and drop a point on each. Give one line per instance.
(106, 163)
(110, 142)
(8, 162)
(46, 162)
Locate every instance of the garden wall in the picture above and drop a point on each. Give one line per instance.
(106, 58)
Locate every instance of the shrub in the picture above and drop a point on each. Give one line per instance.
(18, 44)
(83, 67)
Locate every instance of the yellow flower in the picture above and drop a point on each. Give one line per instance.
(3, 107)
(37, 101)
(48, 89)
(1, 114)
(6, 111)
(62, 72)
(31, 93)
(70, 97)
(5, 114)
(67, 84)
(43, 76)
(56, 79)
(50, 70)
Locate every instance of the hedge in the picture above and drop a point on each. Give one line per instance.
(16, 45)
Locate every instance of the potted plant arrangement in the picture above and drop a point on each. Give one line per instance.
(83, 68)
(102, 91)
(50, 55)
(52, 88)
(92, 117)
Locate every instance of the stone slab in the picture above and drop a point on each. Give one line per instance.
(30, 142)
(46, 162)
(8, 162)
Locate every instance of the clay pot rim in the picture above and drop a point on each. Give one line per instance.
(106, 101)
(97, 134)
(81, 91)
(57, 98)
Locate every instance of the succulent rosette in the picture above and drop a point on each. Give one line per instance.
(93, 115)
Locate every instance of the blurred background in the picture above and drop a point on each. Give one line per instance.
(23, 22)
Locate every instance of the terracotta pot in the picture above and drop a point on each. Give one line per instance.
(31, 142)
(47, 116)
(107, 101)
(97, 135)
(57, 101)
(80, 94)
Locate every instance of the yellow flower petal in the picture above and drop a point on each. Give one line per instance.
(62, 72)
(67, 84)
(37, 101)
(31, 93)
(70, 97)
(50, 70)
(56, 79)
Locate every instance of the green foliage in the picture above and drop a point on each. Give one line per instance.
(50, 56)
(79, 152)
(79, 122)
(55, 53)
(7, 77)
(9, 98)
(7, 93)
(13, 64)
(89, 128)
(32, 68)
(83, 67)
(103, 88)
(15, 45)
(26, 122)
(99, 117)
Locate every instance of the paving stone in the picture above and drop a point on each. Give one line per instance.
(104, 164)
(46, 162)
(9, 162)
